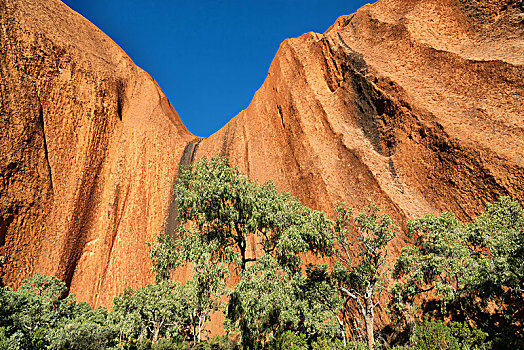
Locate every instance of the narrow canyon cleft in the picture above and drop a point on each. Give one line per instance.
(186, 160)
(415, 105)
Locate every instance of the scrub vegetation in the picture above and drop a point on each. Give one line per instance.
(249, 248)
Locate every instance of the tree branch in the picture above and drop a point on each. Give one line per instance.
(354, 295)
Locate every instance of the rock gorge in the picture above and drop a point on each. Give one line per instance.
(417, 105)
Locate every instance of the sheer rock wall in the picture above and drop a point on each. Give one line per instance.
(416, 105)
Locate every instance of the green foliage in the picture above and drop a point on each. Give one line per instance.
(374, 232)
(227, 210)
(166, 344)
(204, 292)
(363, 281)
(437, 335)
(36, 316)
(475, 270)
(220, 211)
(4, 338)
(170, 309)
(440, 261)
(29, 313)
(37, 304)
(83, 336)
(434, 336)
(153, 311)
(500, 230)
(332, 344)
(223, 342)
(166, 255)
(269, 301)
(220, 342)
(288, 340)
(319, 289)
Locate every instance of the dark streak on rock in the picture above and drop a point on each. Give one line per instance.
(120, 94)
(5, 222)
(281, 116)
(46, 151)
(186, 160)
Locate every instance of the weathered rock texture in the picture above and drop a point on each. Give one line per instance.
(417, 105)
(414, 104)
(90, 149)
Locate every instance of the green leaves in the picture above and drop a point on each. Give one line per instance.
(228, 211)
(269, 301)
(38, 304)
(83, 336)
(441, 262)
(475, 267)
(228, 222)
(365, 239)
(36, 316)
(501, 228)
(153, 311)
(437, 335)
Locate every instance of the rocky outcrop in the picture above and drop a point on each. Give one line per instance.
(416, 105)
(90, 149)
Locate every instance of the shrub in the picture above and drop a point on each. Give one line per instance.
(437, 335)
(289, 341)
(83, 336)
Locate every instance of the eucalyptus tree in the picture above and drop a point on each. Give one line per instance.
(228, 223)
(440, 262)
(206, 285)
(269, 302)
(362, 280)
(230, 211)
(475, 270)
(38, 304)
(320, 287)
(38, 316)
(151, 312)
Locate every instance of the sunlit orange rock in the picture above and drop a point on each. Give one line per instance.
(416, 105)
(90, 149)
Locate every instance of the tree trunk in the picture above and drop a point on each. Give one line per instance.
(200, 327)
(156, 333)
(342, 329)
(368, 319)
(242, 248)
(194, 328)
(156, 330)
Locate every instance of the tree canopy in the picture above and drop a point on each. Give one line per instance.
(474, 269)
(456, 285)
(229, 211)
(229, 222)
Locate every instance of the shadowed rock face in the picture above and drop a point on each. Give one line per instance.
(416, 105)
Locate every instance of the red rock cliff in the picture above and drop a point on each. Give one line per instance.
(90, 149)
(417, 105)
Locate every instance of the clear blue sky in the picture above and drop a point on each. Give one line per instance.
(209, 57)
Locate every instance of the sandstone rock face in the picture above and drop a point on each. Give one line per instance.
(414, 104)
(90, 150)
